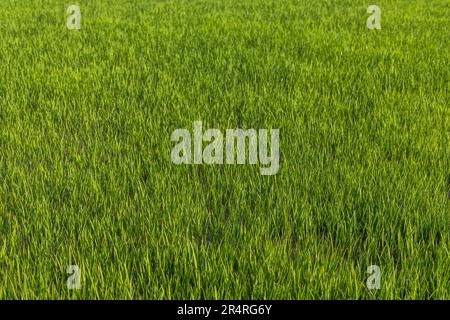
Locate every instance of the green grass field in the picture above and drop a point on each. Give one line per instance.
(86, 176)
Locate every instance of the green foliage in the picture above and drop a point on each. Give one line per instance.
(85, 171)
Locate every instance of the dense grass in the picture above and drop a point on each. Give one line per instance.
(86, 176)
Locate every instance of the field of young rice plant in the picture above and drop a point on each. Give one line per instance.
(109, 188)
